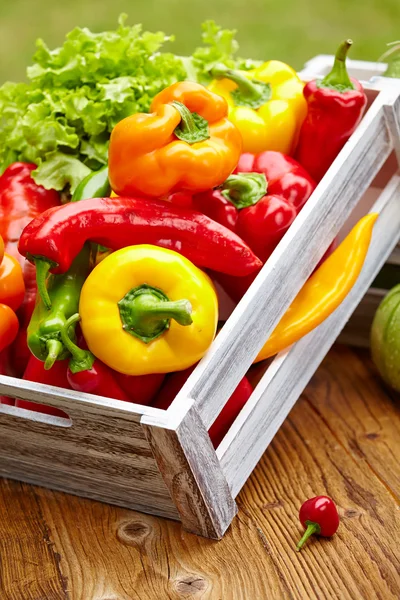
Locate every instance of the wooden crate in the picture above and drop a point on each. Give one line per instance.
(162, 462)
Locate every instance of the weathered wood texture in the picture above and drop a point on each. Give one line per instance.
(341, 439)
(190, 468)
(103, 454)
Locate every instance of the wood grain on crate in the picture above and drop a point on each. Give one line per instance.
(342, 439)
(103, 453)
(277, 392)
(303, 245)
(190, 468)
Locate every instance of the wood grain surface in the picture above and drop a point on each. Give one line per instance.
(341, 439)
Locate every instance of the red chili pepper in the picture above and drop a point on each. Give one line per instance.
(319, 516)
(225, 419)
(56, 376)
(335, 107)
(21, 200)
(141, 389)
(54, 238)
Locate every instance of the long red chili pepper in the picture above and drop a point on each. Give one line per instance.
(223, 422)
(319, 516)
(56, 376)
(335, 107)
(54, 238)
(21, 200)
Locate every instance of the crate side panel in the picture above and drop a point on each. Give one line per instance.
(104, 448)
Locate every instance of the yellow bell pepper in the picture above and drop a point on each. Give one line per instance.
(266, 104)
(147, 310)
(327, 287)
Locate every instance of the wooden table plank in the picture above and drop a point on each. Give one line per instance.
(341, 439)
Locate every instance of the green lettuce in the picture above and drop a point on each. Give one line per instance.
(62, 118)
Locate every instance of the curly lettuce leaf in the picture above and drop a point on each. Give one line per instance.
(62, 119)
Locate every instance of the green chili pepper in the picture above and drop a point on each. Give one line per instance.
(45, 328)
(95, 185)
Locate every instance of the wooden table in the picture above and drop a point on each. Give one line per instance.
(342, 439)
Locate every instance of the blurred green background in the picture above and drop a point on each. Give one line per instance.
(291, 30)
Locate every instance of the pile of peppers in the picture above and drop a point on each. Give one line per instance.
(112, 293)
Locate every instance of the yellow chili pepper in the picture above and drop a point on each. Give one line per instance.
(327, 287)
(266, 104)
(147, 310)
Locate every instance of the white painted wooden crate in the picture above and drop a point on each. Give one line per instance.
(162, 462)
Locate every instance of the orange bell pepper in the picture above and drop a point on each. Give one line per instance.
(12, 287)
(185, 143)
(8, 326)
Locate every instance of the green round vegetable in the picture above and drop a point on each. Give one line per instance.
(385, 338)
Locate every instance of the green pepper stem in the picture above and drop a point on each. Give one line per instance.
(146, 312)
(251, 93)
(193, 128)
(244, 189)
(82, 360)
(338, 78)
(311, 529)
(42, 270)
(54, 349)
(246, 86)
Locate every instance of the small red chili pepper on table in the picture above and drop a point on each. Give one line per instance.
(319, 516)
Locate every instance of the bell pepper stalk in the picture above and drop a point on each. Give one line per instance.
(251, 93)
(148, 310)
(54, 239)
(173, 383)
(318, 516)
(266, 104)
(44, 330)
(324, 290)
(186, 142)
(57, 376)
(335, 108)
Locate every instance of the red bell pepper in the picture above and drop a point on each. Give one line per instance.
(98, 379)
(225, 419)
(56, 376)
(21, 200)
(141, 389)
(285, 176)
(85, 372)
(6, 369)
(335, 107)
(259, 219)
(54, 238)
